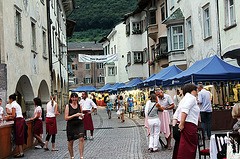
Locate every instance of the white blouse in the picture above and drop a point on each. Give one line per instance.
(87, 104)
(189, 106)
(51, 109)
(18, 109)
(37, 110)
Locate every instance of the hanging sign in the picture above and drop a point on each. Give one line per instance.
(97, 58)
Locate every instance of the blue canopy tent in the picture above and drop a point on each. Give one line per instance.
(114, 88)
(143, 83)
(211, 69)
(165, 73)
(130, 84)
(104, 88)
(85, 89)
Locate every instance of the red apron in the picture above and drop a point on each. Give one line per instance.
(19, 131)
(38, 127)
(51, 125)
(87, 121)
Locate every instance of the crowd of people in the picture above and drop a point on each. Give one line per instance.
(179, 118)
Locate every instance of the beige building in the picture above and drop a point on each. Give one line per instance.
(24, 52)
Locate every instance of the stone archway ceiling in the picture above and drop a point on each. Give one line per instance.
(24, 87)
(43, 91)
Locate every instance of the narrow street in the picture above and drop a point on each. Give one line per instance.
(112, 139)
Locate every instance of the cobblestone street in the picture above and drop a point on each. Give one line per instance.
(112, 139)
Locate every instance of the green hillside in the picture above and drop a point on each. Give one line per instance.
(95, 18)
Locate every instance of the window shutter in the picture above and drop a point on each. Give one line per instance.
(97, 65)
(141, 26)
(91, 80)
(75, 66)
(84, 80)
(115, 72)
(98, 79)
(76, 80)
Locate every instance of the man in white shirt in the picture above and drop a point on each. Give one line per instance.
(88, 107)
(204, 101)
(166, 103)
(176, 99)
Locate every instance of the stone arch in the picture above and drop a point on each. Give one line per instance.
(43, 93)
(25, 95)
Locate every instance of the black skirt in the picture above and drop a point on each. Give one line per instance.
(75, 129)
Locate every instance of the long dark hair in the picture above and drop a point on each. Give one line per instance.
(73, 95)
(13, 97)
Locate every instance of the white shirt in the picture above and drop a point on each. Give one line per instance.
(1, 112)
(87, 104)
(51, 109)
(189, 106)
(18, 109)
(166, 101)
(9, 106)
(176, 100)
(204, 99)
(37, 110)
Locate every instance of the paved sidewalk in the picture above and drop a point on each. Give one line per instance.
(112, 139)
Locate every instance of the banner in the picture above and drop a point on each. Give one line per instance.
(97, 58)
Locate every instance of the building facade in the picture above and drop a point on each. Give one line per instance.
(24, 52)
(57, 28)
(115, 43)
(229, 22)
(85, 74)
(192, 35)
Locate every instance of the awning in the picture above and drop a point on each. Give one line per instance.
(130, 85)
(104, 88)
(85, 89)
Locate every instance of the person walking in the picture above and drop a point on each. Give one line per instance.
(20, 125)
(121, 106)
(176, 99)
(95, 101)
(75, 127)
(51, 123)
(151, 112)
(130, 101)
(167, 104)
(204, 99)
(88, 106)
(109, 108)
(187, 116)
(38, 123)
(2, 117)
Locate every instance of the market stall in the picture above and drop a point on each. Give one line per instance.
(221, 79)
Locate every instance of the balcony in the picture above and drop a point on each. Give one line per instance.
(153, 31)
(177, 58)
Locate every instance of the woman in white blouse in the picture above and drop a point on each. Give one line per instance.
(187, 115)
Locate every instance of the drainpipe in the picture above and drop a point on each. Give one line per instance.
(147, 43)
(49, 21)
(219, 49)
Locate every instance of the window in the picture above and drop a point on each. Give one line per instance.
(177, 37)
(163, 45)
(129, 58)
(111, 50)
(136, 28)
(74, 66)
(111, 71)
(145, 55)
(100, 79)
(100, 66)
(127, 29)
(115, 49)
(206, 16)
(18, 26)
(33, 28)
(73, 56)
(152, 17)
(189, 32)
(162, 11)
(87, 66)
(137, 57)
(75, 80)
(44, 44)
(229, 12)
(88, 80)
(153, 52)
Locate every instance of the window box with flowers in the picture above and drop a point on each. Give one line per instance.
(136, 31)
(151, 63)
(159, 57)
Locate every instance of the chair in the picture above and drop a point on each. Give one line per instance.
(221, 146)
(201, 144)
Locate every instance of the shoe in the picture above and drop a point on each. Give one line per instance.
(54, 149)
(150, 150)
(91, 138)
(169, 147)
(123, 121)
(119, 117)
(85, 137)
(46, 149)
(38, 147)
(19, 156)
(155, 150)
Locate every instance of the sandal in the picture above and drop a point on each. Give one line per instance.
(46, 149)
(169, 147)
(54, 149)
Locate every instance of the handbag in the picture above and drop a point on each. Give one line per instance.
(176, 132)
